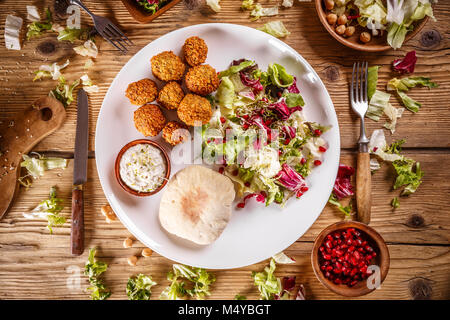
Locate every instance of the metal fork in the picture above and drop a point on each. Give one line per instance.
(107, 29)
(360, 104)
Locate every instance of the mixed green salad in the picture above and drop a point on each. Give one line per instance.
(259, 135)
(151, 6)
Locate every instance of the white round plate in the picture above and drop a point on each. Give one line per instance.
(256, 232)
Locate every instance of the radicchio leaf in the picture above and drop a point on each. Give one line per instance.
(282, 110)
(343, 185)
(407, 64)
(293, 88)
(291, 180)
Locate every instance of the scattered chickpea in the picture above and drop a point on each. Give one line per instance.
(132, 261)
(331, 18)
(342, 19)
(329, 4)
(365, 37)
(108, 213)
(127, 243)
(350, 31)
(340, 29)
(147, 252)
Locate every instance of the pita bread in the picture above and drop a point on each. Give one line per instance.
(196, 204)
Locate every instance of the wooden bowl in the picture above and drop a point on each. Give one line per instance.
(117, 167)
(373, 238)
(143, 17)
(377, 44)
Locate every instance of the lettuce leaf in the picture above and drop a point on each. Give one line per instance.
(93, 269)
(214, 5)
(268, 285)
(279, 76)
(64, 92)
(258, 11)
(236, 68)
(139, 287)
(36, 28)
(403, 85)
(225, 93)
(276, 29)
(407, 176)
(377, 105)
(372, 80)
(346, 210)
(72, 34)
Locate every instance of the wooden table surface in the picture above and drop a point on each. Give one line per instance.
(37, 265)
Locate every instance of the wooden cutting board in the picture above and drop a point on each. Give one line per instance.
(18, 136)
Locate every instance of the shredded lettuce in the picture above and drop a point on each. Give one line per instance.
(201, 281)
(276, 29)
(409, 175)
(49, 209)
(36, 166)
(282, 258)
(287, 3)
(88, 49)
(236, 68)
(346, 210)
(247, 4)
(395, 203)
(36, 28)
(64, 92)
(50, 71)
(214, 5)
(372, 15)
(403, 85)
(258, 11)
(33, 14)
(240, 297)
(93, 269)
(139, 287)
(72, 34)
(268, 285)
(88, 85)
(225, 93)
(377, 105)
(393, 114)
(372, 80)
(279, 76)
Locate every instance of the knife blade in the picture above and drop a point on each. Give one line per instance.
(79, 173)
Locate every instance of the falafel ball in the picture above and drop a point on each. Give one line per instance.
(202, 79)
(175, 132)
(194, 110)
(171, 95)
(166, 66)
(142, 92)
(149, 120)
(195, 51)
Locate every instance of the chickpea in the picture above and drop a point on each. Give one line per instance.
(342, 19)
(108, 213)
(147, 252)
(331, 18)
(340, 30)
(132, 261)
(350, 31)
(365, 37)
(329, 4)
(128, 243)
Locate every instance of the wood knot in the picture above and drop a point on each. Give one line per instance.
(46, 48)
(332, 73)
(420, 289)
(415, 221)
(430, 38)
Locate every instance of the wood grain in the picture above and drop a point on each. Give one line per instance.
(363, 187)
(37, 265)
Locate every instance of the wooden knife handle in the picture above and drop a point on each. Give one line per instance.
(363, 187)
(77, 234)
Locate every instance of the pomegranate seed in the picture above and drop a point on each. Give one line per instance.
(222, 119)
(221, 169)
(337, 281)
(317, 162)
(327, 257)
(357, 255)
(304, 189)
(321, 248)
(322, 268)
(322, 149)
(245, 126)
(351, 284)
(317, 132)
(245, 116)
(303, 161)
(374, 254)
(339, 253)
(241, 205)
(247, 184)
(368, 248)
(329, 268)
(286, 141)
(328, 244)
(327, 274)
(235, 172)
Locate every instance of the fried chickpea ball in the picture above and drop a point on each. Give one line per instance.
(149, 120)
(171, 95)
(195, 51)
(167, 66)
(202, 79)
(142, 92)
(194, 110)
(175, 132)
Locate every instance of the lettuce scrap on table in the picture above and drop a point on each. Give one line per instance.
(49, 209)
(64, 92)
(343, 188)
(197, 286)
(276, 29)
(93, 269)
(139, 287)
(36, 166)
(259, 135)
(36, 28)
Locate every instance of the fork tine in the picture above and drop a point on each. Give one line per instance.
(357, 82)
(116, 37)
(111, 42)
(124, 37)
(361, 85)
(352, 83)
(113, 39)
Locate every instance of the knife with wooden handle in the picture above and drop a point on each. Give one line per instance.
(79, 174)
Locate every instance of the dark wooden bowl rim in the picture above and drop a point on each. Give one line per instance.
(360, 46)
(117, 167)
(383, 259)
(143, 17)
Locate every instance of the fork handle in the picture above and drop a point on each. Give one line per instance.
(363, 187)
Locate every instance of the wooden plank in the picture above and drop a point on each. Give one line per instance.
(308, 37)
